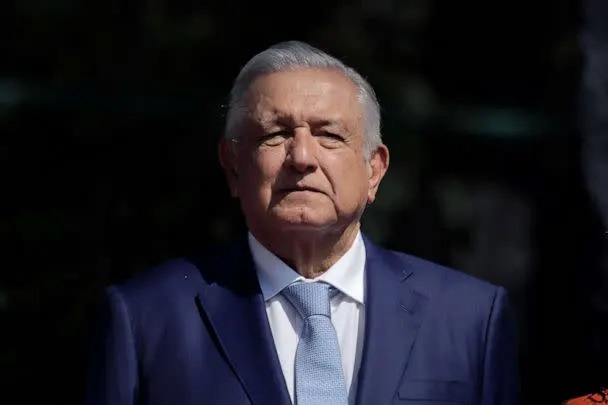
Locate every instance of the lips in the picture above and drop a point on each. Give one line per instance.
(300, 188)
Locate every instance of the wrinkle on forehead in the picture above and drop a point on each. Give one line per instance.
(303, 96)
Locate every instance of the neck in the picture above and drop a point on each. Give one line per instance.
(309, 253)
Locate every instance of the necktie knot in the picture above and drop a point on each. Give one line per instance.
(309, 298)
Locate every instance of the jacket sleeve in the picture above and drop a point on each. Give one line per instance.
(112, 365)
(500, 381)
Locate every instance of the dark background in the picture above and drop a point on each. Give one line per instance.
(110, 113)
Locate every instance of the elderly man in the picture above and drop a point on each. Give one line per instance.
(306, 310)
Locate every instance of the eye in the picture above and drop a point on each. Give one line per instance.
(275, 138)
(330, 139)
(331, 135)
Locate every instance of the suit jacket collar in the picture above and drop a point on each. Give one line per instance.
(394, 312)
(232, 305)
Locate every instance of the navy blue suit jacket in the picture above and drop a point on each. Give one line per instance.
(195, 332)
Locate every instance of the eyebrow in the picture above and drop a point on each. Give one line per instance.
(328, 123)
(316, 122)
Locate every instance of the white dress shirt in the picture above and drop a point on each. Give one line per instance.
(347, 312)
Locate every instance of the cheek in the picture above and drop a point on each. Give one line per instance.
(350, 180)
(269, 163)
(267, 166)
(259, 170)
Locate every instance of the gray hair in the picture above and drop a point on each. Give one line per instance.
(293, 55)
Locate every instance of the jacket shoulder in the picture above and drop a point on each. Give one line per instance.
(434, 280)
(181, 276)
(440, 275)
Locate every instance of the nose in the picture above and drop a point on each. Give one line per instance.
(302, 151)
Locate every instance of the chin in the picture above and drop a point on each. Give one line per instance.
(303, 220)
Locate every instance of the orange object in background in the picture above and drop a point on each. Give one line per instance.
(589, 399)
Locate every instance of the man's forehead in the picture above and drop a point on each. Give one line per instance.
(276, 117)
(302, 85)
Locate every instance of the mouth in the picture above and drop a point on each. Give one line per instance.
(300, 189)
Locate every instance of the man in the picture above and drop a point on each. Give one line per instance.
(306, 310)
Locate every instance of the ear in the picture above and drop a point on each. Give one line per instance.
(227, 157)
(377, 167)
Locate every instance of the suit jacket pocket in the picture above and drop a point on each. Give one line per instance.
(434, 391)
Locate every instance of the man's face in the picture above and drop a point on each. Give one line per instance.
(299, 161)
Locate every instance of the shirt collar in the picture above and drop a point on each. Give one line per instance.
(346, 275)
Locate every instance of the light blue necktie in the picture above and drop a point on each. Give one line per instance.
(319, 379)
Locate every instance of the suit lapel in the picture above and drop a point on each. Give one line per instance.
(233, 307)
(394, 312)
